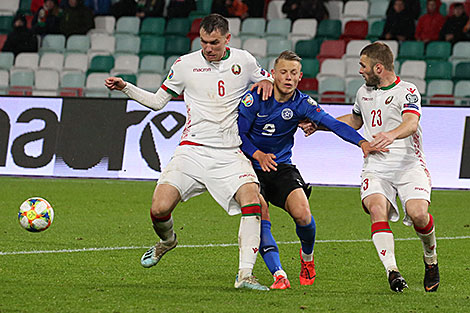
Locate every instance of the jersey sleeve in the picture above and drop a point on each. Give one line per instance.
(356, 108)
(174, 82)
(411, 101)
(248, 108)
(312, 110)
(257, 72)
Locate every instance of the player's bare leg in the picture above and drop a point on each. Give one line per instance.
(298, 207)
(165, 198)
(270, 251)
(382, 237)
(248, 236)
(423, 222)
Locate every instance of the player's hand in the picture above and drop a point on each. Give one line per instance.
(308, 127)
(266, 160)
(367, 149)
(115, 83)
(265, 86)
(382, 140)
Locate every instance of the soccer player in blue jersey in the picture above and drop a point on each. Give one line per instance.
(267, 131)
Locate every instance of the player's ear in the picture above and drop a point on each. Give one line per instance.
(273, 72)
(301, 75)
(227, 38)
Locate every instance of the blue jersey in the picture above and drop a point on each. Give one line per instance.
(269, 126)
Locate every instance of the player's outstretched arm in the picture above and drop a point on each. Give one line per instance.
(265, 86)
(155, 101)
(353, 120)
(408, 127)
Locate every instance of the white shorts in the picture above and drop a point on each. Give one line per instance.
(409, 184)
(221, 171)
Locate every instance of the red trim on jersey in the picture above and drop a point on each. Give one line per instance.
(411, 111)
(251, 209)
(189, 143)
(380, 227)
(428, 228)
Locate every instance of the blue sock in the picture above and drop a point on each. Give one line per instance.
(307, 236)
(268, 248)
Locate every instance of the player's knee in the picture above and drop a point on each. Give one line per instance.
(419, 215)
(160, 208)
(377, 212)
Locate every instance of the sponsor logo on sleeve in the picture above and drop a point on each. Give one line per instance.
(411, 98)
(412, 90)
(247, 100)
(410, 106)
(311, 101)
(171, 74)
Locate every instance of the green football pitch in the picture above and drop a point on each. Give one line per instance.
(89, 259)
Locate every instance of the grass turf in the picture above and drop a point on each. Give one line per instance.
(108, 213)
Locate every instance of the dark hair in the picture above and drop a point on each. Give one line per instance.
(379, 52)
(214, 22)
(19, 16)
(289, 56)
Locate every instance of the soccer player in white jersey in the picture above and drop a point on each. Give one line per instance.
(213, 80)
(390, 110)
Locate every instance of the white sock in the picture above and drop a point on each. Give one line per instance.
(279, 273)
(248, 243)
(385, 246)
(164, 230)
(307, 257)
(429, 246)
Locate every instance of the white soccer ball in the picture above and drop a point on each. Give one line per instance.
(36, 214)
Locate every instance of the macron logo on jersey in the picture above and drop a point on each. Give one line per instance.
(202, 70)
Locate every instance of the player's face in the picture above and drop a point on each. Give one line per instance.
(367, 71)
(287, 75)
(213, 44)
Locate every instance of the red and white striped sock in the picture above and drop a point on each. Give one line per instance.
(249, 238)
(427, 235)
(382, 237)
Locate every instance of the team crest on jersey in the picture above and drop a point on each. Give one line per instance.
(247, 100)
(311, 101)
(411, 98)
(388, 100)
(236, 69)
(287, 114)
(171, 74)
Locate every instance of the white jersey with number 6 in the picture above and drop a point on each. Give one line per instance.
(381, 110)
(212, 92)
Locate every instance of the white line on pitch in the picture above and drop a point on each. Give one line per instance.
(202, 246)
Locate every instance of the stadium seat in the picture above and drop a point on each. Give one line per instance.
(274, 10)
(234, 24)
(21, 82)
(6, 60)
(376, 29)
(170, 61)
(152, 64)
(331, 49)
(9, 7)
(3, 38)
(77, 43)
(393, 44)
(263, 62)
(278, 28)
(335, 9)
(131, 78)
(6, 24)
(332, 83)
(462, 90)
(303, 29)
(355, 30)
(235, 42)
(352, 68)
(419, 83)
(413, 69)
(152, 26)
(256, 46)
(357, 10)
(352, 86)
(72, 84)
(194, 30)
(329, 29)
(354, 47)
(204, 6)
(438, 70)
(46, 82)
(460, 52)
(126, 63)
(196, 44)
(440, 91)
(127, 44)
(438, 50)
(104, 24)
(27, 60)
(462, 71)
(76, 61)
(252, 27)
(101, 63)
(154, 45)
(177, 45)
(94, 86)
(377, 10)
(178, 26)
(128, 25)
(308, 85)
(332, 67)
(308, 48)
(275, 47)
(149, 81)
(52, 60)
(53, 43)
(102, 42)
(310, 67)
(411, 50)
(4, 81)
